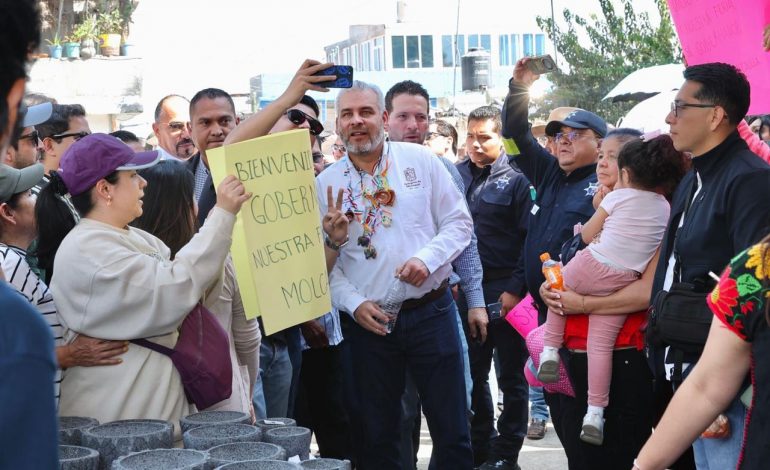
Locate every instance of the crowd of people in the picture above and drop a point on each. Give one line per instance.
(106, 248)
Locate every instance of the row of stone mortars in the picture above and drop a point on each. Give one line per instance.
(212, 440)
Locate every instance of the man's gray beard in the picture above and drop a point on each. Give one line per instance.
(367, 147)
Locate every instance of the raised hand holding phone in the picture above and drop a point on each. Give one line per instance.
(343, 76)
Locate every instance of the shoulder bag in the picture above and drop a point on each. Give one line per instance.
(202, 358)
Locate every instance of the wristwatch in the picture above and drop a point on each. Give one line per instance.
(334, 246)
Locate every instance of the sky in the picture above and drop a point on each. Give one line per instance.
(188, 45)
(191, 44)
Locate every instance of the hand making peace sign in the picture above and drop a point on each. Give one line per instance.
(335, 223)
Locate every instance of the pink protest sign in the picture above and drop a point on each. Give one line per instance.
(727, 31)
(523, 317)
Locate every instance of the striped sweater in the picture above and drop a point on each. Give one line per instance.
(22, 278)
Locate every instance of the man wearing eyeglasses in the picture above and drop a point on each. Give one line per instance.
(338, 149)
(442, 140)
(25, 148)
(565, 183)
(66, 126)
(172, 128)
(719, 209)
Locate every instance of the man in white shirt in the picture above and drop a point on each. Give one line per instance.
(172, 128)
(408, 220)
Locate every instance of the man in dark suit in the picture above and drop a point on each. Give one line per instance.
(212, 117)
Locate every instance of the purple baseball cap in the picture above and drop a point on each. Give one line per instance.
(96, 156)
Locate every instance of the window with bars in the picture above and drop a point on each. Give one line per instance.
(447, 51)
(379, 54)
(529, 49)
(412, 51)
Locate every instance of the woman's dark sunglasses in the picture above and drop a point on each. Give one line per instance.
(297, 117)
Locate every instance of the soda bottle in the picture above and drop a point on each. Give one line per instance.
(552, 272)
(391, 305)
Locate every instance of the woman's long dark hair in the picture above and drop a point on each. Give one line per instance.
(55, 219)
(169, 204)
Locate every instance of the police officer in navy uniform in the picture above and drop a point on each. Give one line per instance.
(565, 184)
(498, 196)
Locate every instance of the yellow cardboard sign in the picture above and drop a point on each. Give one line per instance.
(278, 247)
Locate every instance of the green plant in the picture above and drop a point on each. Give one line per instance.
(87, 29)
(109, 23)
(55, 41)
(619, 41)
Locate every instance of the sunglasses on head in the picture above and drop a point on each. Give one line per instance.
(75, 135)
(297, 117)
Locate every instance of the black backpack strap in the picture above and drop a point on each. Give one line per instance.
(676, 377)
(154, 346)
(688, 202)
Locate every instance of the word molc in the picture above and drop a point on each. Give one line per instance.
(305, 290)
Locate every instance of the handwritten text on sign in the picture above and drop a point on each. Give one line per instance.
(278, 243)
(727, 31)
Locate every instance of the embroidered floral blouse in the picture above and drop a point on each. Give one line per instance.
(739, 298)
(739, 301)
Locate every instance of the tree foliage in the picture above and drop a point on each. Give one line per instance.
(620, 43)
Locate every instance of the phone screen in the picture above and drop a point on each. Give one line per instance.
(494, 310)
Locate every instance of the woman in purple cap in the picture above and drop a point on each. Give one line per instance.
(117, 282)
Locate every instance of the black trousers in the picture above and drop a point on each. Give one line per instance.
(628, 418)
(350, 393)
(320, 401)
(506, 442)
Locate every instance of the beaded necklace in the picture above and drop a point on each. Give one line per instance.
(370, 201)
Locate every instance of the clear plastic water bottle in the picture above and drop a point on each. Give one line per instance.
(391, 305)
